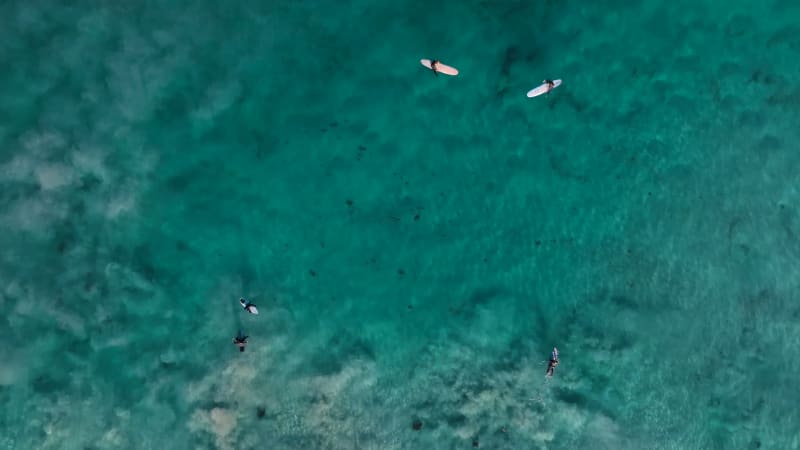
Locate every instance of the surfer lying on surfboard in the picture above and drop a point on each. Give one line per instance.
(249, 307)
(434, 65)
(438, 67)
(551, 366)
(544, 88)
(240, 340)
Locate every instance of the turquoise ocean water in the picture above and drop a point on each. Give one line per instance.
(416, 245)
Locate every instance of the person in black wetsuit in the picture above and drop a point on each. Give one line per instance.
(434, 63)
(240, 340)
(551, 366)
(550, 85)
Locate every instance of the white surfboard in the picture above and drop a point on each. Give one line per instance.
(251, 309)
(440, 68)
(543, 89)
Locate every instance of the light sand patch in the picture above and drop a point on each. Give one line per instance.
(54, 176)
(219, 422)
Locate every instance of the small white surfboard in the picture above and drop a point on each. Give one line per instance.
(543, 89)
(251, 309)
(440, 68)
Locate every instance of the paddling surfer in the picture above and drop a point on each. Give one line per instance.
(240, 340)
(434, 65)
(551, 366)
(249, 307)
(550, 85)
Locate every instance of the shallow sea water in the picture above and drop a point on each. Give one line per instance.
(416, 245)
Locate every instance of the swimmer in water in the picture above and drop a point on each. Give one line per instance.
(247, 305)
(551, 366)
(240, 340)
